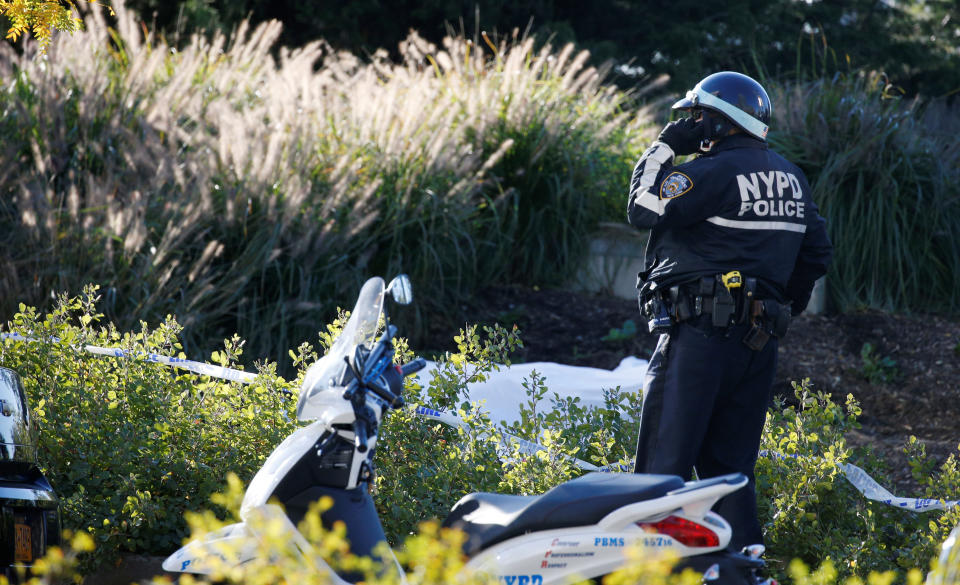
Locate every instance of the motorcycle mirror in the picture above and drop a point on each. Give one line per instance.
(401, 289)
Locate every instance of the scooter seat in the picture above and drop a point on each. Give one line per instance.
(487, 518)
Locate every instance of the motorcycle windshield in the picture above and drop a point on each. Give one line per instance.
(18, 436)
(321, 383)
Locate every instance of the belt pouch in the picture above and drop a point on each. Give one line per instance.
(749, 292)
(706, 286)
(756, 337)
(702, 292)
(777, 316)
(724, 306)
(680, 304)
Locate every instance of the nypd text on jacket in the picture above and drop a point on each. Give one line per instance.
(739, 207)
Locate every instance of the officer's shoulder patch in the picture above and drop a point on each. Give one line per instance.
(675, 185)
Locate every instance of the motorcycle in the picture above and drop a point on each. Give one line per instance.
(579, 528)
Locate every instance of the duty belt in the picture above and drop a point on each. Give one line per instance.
(728, 298)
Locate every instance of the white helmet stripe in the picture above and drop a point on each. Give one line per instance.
(752, 125)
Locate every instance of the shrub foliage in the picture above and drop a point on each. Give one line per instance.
(132, 446)
(811, 512)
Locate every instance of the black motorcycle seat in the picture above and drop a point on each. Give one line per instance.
(487, 518)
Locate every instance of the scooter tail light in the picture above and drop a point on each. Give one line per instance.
(686, 532)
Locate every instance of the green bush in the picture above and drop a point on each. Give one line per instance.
(130, 445)
(876, 368)
(426, 467)
(812, 513)
(432, 556)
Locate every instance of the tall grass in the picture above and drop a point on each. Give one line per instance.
(248, 187)
(886, 175)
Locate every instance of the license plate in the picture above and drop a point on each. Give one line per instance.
(23, 552)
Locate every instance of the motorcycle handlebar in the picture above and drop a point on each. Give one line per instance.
(391, 392)
(392, 400)
(413, 366)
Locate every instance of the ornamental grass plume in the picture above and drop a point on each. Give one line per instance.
(243, 186)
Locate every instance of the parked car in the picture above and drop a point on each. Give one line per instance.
(29, 509)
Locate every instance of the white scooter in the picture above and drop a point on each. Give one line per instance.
(580, 528)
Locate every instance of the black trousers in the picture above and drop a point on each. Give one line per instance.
(704, 406)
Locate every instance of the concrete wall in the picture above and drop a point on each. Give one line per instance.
(613, 261)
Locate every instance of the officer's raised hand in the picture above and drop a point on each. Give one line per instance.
(683, 136)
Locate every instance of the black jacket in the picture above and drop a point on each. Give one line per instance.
(739, 207)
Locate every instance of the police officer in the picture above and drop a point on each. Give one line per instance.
(735, 247)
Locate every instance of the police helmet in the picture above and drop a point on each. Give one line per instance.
(740, 100)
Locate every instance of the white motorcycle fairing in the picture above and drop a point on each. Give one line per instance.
(290, 452)
(239, 538)
(553, 556)
(242, 544)
(196, 556)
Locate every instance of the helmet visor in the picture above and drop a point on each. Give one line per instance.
(684, 104)
(698, 97)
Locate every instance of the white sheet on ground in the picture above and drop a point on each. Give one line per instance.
(503, 393)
